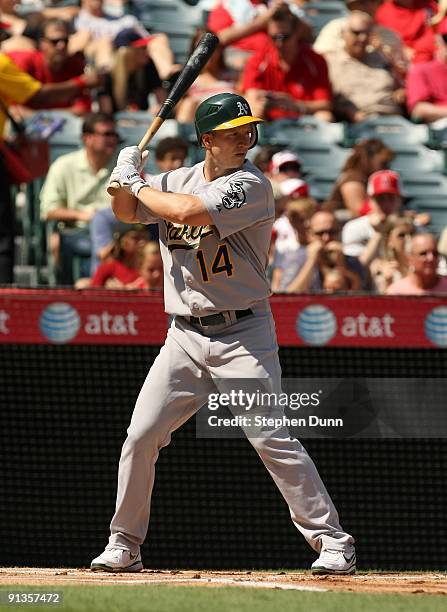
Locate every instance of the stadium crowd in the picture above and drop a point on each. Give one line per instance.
(94, 58)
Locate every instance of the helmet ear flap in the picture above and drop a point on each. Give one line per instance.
(255, 136)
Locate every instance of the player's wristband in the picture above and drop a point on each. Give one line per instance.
(80, 82)
(135, 187)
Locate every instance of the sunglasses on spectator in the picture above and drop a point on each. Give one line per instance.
(360, 32)
(56, 41)
(404, 234)
(328, 232)
(280, 37)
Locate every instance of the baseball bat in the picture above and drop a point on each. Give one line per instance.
(185, 79)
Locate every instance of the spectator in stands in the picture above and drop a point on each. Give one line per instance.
(427, 83)
(214, 78)
(51, 63)
(241, 26)
(364, 237)
(284, 165)
(362, 80)
(423, 278)
(302, 271)
(151, 268)
(383, 40)
(287, 78)
(411, 20)
(133, 76)
(170, 153)
(95, 32)
(18, 87)
(25, 27)
(290, 233)
(349, 191)
(75, 188)
(394, 263)
(122, 269)
(334, 281)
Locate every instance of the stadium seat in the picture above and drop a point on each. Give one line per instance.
(420, 185)
(321, 158)
(176, 19)
(68, 138)
(321, 185)
(307, 129)
(436, 208)
(393, 131)
(416, 158)
(318, 14)
(132, 126)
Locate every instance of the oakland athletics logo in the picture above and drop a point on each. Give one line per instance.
(242, 109)
(235, 196)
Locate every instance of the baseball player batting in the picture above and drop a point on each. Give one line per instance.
(215, 222)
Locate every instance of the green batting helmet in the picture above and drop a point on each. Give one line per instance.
(223, 112)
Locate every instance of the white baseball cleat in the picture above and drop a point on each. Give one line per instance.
(117, 560)
(334, 560)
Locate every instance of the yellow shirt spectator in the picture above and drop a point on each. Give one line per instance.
(15, 86)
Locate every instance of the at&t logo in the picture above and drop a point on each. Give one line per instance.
(316, 324)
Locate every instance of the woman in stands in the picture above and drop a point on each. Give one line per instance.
(394, 263)
(349, 191)
(122, 270)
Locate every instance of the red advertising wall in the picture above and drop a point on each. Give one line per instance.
(117, 317)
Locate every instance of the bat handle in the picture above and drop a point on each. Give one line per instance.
(114, 187)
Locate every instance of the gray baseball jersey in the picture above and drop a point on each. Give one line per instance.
(219, 267)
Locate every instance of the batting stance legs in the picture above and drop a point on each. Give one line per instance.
(177, 385)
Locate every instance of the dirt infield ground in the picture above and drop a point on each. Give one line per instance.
(386, 582)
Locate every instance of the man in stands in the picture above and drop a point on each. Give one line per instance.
(362, 80)
(75, 188)
(51, 63)
(287, 78)
(363, 237)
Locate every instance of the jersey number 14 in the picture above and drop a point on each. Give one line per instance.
(221, 263)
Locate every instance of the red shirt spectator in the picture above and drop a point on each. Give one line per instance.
(307, 78)
(411, 20)
(221, 18)
(427, 83)
(114, 270)
(33, 62)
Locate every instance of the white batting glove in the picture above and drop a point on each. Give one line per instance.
(132, 156)
(129, 178)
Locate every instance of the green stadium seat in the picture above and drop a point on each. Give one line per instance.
(392, 130)
(321, 185)
(418, 185)
(132, 126)
(307, 129)
(321, 158)
(416, 158)
(436, 208)
(176, 19)
(318, 14)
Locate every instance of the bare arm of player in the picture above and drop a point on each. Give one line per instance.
(175, 207)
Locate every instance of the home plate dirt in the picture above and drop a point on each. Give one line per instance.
(435, 583)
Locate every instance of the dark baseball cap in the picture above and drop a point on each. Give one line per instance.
(130, 38)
